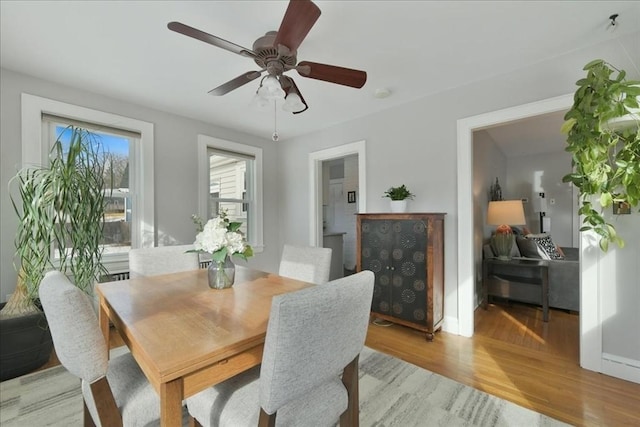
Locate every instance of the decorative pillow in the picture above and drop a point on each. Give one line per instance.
(545, 244)
(529, 248)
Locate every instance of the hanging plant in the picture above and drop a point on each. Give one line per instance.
(605, 156)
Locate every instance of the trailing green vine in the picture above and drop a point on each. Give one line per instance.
(605, 160)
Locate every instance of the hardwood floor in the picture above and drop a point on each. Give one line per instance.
(516, 356)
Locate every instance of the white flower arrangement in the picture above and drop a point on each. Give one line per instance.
(221, 238)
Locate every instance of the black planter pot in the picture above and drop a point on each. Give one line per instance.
(25, 344)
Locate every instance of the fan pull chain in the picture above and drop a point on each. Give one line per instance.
(275, 136)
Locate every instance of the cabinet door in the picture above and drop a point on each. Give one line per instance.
(395, 251)
(409, 268)
(375, 255)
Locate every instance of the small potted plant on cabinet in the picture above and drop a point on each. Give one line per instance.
(399, 196)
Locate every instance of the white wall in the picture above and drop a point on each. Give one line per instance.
(175, 157)
(611, 293)
(529, 175)
(620, 285)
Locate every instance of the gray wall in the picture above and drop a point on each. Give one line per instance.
(489, 163)
(175, 157)
(529, 175)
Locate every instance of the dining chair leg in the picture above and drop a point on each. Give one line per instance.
(351, 417)
(193, 422)
(87, 419)
(267, 420)
(106, 407)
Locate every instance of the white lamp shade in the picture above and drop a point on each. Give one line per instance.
(293, 103)
(271, 88)
(509, 212)
(260, 103)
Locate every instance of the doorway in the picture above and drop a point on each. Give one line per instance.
(466, 253)
(336, 213)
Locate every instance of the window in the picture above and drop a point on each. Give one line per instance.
(117, 154)
(231, 180)
(133, 195)
(228, 186)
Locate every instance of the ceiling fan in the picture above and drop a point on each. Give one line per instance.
(276, 53)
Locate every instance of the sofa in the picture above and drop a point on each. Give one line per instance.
(563, 269)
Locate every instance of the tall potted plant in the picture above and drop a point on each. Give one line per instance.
(60, 209)
(603, 137)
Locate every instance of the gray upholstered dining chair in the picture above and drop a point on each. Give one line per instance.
(115, 391)
(162, 260)
(306, 263)
(309, 371)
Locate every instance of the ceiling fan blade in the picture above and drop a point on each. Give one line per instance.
(296, 23)
(208, 38)
(235, 83)
(332, 74)
(289, 85)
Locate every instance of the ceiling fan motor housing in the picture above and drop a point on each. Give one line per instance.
(268, 57)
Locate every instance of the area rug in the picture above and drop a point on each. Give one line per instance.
(392, 393)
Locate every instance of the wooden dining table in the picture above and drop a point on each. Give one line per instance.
(186, 336)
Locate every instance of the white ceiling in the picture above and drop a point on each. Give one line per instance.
(124, 50)
(533, 135)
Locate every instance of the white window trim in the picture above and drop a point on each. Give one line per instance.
(35, 151)
(205, 142)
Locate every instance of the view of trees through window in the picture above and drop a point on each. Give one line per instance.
(115, 153)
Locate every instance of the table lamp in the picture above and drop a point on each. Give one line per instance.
(504, 213)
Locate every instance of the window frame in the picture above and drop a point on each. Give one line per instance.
(35, 152)
(241, 185)
(255, 225)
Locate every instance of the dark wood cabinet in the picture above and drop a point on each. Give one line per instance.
(406, 254)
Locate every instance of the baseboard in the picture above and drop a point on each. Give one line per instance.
(621, 367)
(451, 325)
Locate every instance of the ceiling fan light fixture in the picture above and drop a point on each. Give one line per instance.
(293, 103)
(260, 103)
(276, 53)
(271, 89)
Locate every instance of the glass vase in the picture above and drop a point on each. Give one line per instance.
(221, 274)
